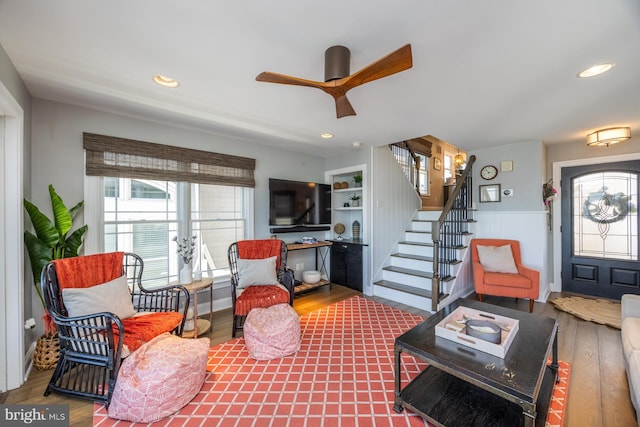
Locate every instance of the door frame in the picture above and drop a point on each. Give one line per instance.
(556, 286)
(12, 334)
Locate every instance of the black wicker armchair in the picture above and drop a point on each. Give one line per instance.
(274, 287)
(92, 344)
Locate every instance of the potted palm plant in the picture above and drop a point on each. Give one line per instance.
(50, 241)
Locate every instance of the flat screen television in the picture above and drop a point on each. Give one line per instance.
(297, 203)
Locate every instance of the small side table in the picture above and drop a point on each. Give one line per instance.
(200, 325)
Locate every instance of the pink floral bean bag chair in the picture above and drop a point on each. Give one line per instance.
(272, 332)
(159, 378)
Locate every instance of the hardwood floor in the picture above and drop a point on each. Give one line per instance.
(598, 390)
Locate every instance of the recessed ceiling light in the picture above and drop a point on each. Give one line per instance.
(596, 70)
(326, 135)
(165, 81)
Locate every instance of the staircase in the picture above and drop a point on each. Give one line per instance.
(408, 275)
(430, 267)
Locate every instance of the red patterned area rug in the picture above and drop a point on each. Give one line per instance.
(342, 376)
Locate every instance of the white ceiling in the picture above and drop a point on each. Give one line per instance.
(485, 73)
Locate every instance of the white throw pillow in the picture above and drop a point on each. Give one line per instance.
(113, 297)
(257, 272)
(497, 259)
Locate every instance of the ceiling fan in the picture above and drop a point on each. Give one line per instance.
(338, 81)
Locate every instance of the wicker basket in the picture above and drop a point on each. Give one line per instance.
(47, 352)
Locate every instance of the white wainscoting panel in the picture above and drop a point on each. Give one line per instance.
(531, 229)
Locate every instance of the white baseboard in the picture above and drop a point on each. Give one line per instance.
(28, 360)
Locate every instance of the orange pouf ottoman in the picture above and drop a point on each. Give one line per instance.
(159, 378)
(272, 332)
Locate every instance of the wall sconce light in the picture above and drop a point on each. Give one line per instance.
(608, 136)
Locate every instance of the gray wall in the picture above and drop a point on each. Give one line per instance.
(522, 217)
(526, 179)
(59, 158)
(575, 150)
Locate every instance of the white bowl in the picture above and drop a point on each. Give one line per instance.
(311, 276)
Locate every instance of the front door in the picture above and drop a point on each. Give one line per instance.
(600, 229)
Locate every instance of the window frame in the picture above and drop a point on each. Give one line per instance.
(94, 216)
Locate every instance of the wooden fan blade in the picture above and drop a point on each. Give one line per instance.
(270, 77)
(393, 63)
(344, 107)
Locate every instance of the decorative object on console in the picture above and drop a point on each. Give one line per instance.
(355, 230)
(339, 230)
(311, 276)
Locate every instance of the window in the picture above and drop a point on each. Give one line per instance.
(423, 175)
(162, 192)
(143, 216)
(449, 171)
(143, 190)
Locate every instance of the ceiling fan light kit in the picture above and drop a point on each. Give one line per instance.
(338, 81)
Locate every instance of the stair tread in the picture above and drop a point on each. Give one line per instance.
(418, 231)
(408, 242)
(407, 288)
(410, 256)
(421, 258)
(410, 271)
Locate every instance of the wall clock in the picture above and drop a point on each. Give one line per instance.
(489, 172)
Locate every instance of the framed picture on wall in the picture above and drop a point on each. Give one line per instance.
(437, 164)
(489, 193)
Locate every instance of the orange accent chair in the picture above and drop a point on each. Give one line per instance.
(524, 283)
(259, 277)
(96, 302)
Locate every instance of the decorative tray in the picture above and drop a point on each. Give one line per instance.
(453, 328)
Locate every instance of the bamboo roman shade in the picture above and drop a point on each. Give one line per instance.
(128, 158)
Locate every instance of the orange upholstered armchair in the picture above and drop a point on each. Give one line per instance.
(259, 278)
(498, 270)
(103, 313)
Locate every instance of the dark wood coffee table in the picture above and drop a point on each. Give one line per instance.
(462, 386)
